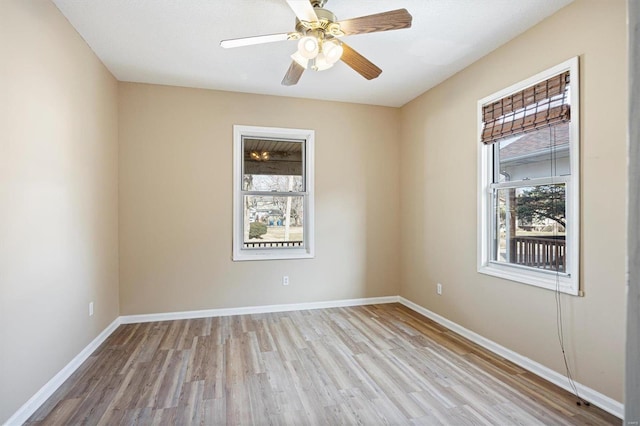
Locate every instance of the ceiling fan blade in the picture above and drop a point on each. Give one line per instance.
(385, 21)
(359, 63)
(303, 10)
(248, 41)
(293, 74)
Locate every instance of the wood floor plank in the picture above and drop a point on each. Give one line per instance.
(172, 336)
(364, 365)
(96, 402)
(306, 392)
(190, 403)
(214, 412)
(175, 372)
(215, 374)
(125, 399)
(61, 413)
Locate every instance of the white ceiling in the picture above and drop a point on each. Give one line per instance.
(173, 42)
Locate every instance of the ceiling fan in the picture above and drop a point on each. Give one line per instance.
(318, 33)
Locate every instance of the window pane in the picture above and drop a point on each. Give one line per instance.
(530, 226)
(273, 221)
(272, 183)
(272, 165)
(539, 153)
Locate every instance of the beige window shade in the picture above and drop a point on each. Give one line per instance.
(537, 106)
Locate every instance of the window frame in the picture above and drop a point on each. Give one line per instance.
(239, 253)
(569, 281)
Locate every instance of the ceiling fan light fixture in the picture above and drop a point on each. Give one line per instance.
(308, 47)
(321, 62)
(260, 155)
(332, 50)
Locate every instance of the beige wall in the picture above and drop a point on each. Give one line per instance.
(58, 197)
(438, 202)
(395, 196)
(632, 376)
(175, 201)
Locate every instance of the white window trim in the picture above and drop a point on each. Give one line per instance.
(241, 254)
(568, 282)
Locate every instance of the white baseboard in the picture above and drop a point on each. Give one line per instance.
(30, 407)
(594, 397)
(131, 319)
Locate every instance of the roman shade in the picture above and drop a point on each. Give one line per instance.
(543, 104)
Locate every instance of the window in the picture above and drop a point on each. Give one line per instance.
(528, 210)
(273, 193)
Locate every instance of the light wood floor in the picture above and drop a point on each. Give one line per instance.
(379, 364)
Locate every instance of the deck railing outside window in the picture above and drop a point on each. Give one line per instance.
(541, 252)
(272, 244)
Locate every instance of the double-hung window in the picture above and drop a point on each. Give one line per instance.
(528, 228)
(273, 193)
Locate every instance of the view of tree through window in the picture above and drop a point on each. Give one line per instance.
(531, 218)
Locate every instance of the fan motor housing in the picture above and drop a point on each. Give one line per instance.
(325, 18)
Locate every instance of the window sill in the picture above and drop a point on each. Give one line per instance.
(544, 279)
(267, 254)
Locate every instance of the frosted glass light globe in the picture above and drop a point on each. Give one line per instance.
(308, 47)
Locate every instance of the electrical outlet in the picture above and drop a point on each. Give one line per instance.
(90, 309)
(285, 280)
(439, 289)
